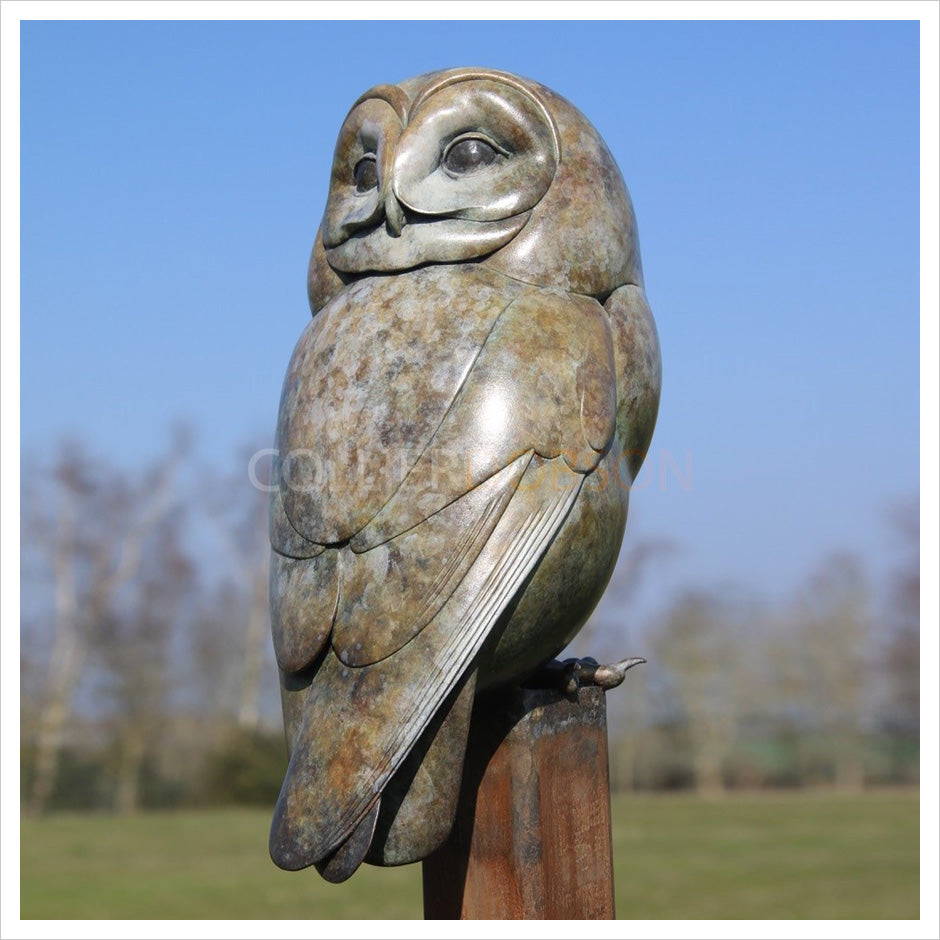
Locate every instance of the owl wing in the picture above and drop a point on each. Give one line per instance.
(371, 379)
(359, 722)
(410, 602)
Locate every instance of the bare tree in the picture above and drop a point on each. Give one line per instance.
(94, 546)
(901, 628)
(239, 512)
(701, 644)
(136, 652)
(834, 636)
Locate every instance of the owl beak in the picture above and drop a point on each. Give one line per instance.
(394, 214)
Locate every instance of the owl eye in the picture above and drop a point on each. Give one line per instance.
(467, 154)
(366, 174)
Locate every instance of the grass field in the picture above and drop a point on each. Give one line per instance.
(677, 857)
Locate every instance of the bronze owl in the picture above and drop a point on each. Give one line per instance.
(459, 427)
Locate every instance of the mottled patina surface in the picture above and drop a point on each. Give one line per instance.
(459, 428)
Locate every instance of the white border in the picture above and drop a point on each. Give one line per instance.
(733, 10)
(926, 11)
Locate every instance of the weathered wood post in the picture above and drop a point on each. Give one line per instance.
(533, 835)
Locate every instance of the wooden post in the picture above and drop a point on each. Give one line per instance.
(532, 838)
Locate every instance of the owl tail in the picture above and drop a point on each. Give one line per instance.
(419, 803)
(415, 813)
(348, 857)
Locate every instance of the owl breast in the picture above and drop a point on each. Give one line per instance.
(369, 383)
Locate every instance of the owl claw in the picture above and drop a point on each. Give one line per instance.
(610, 676)
(572, 674)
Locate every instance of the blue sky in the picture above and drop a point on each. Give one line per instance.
(173, 175)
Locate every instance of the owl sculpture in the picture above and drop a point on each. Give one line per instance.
(459, 427)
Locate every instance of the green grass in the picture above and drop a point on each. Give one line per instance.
(676, 857)
(762, 857)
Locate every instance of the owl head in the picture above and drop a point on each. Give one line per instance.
(474, 165)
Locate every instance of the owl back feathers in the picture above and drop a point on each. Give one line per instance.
(370, 381)
(541, 380)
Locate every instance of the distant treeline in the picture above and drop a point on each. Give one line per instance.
(148, 677)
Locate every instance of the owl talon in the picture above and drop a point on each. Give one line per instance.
(610, 676)
(571, 674)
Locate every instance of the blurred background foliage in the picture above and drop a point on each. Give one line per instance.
(148, 678)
